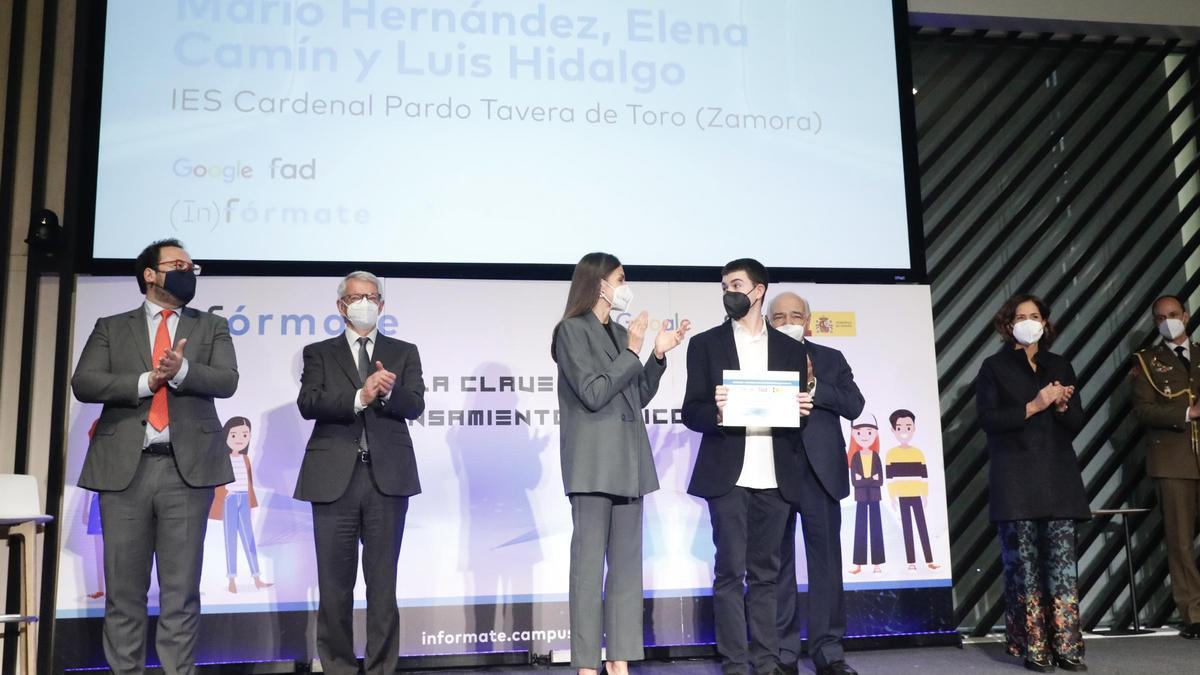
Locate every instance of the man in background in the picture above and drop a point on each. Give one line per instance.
(1165, 388)
(823, 475)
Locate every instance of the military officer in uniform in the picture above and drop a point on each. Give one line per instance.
(1165, 388)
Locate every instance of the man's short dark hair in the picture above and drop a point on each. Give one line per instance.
(1168, 296)
(150, 257)
(899, 415)
(753, 269)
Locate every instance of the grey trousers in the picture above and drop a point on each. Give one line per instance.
(606, 528)
(158, 517)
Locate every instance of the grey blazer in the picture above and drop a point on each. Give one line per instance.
(114, 357)
(601, 392)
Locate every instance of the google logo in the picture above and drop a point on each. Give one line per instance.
(226, 173)
(655, 325)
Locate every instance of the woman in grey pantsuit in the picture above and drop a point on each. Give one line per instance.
(606, 462)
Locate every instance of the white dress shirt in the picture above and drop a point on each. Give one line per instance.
(758, 467)
(352, 338)
(153, 316)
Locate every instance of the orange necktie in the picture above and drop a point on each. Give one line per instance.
(159, 419)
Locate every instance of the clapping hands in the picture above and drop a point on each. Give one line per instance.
(1064, 399)
(378, 385)
(670, 339)
(168, 366)
(1054, 394)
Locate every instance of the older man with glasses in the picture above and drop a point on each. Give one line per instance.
(358, 472)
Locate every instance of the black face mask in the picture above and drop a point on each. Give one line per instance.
(737, 304)
(180, 284)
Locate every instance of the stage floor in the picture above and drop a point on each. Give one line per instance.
(1161, 652)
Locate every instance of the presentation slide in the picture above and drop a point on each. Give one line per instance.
(670, 132)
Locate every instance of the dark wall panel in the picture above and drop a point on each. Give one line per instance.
(1062, 165)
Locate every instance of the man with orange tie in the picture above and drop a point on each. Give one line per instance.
(156, 370)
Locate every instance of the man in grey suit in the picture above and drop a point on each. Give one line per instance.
(359, 471)
(152, 457)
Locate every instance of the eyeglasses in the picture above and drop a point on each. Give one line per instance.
(179, 266)
(373, 297)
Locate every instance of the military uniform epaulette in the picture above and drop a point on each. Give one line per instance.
(1150, 364)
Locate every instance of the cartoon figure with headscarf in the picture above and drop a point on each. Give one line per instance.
(866, 476)
(232, 502)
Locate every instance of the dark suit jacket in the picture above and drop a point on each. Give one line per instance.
(869, 487)
(328, 385)
(722, 449)
(114, 358)
(837, 396)
(601, 393)
(1169, 452)
(1033, 473)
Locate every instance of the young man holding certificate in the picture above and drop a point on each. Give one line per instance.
(747, 473)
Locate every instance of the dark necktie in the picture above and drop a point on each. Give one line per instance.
(364, 369)
(1183, 357)
(364, 361)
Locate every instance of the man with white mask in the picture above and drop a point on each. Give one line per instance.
(358, 472)
(835, 396)
(1165, 387)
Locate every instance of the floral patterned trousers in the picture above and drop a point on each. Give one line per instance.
(1041, 616)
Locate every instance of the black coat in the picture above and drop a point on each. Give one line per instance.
(1033, 473)
(837, 397)
(328, 386)
(723, 449)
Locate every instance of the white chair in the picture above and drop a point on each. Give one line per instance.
(20, 516)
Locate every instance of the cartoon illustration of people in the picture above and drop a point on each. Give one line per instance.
(908, 484)
(232, 502)
(91, 520)
(866, 476)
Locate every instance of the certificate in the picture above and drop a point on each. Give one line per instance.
(761, 398)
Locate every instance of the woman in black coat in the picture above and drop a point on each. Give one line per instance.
(1030, 412)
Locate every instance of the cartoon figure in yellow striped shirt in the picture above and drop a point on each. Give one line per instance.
(908, 484)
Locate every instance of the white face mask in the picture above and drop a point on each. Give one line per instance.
(1027, 331)
(793, 330)
(362, 314)
(1171, 329)
(621, 297)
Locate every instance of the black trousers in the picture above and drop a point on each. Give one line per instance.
(363, 515)
(747, 528)
(912, 510)
(821, 521)
(868, 517)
